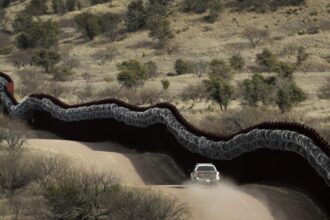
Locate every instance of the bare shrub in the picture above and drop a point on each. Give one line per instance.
(17, 204)
(325, 133)
(255, 35)
(69, 62)
(87, 92)
(3, 19)
(196, 93)
(56, 88)
(4, 43)
(105, 55)
(148, 96)
(13, 133)
(325, 90)
(80, 195)
(31, 82)
(133, 203)
(235, 120)
(16, 169)
(21, 58)
(199, 68)
(314, 64)
(109, 92)
(50, 167)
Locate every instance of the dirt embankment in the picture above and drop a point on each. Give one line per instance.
(226, 201)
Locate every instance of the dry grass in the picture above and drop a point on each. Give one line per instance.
(197, 40)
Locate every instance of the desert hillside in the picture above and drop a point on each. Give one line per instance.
(89, 69)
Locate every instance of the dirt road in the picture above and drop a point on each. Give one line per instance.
(226, 201)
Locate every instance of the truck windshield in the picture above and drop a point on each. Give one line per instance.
(206, 168)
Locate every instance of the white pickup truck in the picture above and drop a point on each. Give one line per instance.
(205, 173)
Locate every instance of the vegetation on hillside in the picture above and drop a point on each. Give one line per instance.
(36, 185)
(152, 48)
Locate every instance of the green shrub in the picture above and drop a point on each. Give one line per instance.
(95, 2)
(41, 34)
(267, 59)
(88, 24)
(182, 67)
(22, 22)
(71, 5)
(59, 6)
(109, 22)
(37, 7)
(258, 89)
(132, 73)
(157, 8)
(92, 25)
(237, 62)
(165, 84)
(215, 8)
(46, 58)
(22, 40)
(197, 6)
(160, 29)
(136, 16)
(4, 3)
(285, 70)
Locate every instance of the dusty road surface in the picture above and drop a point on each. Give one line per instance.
(226, 201)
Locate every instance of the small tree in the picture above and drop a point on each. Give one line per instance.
(41, 34)
(161, 31)
(88, 24)
(136, 16)
(258, 89)
(302, 55)
(46, 58)
(255, 35)
(220, 70)
(220, 91)
(237, 62)
(182, 66)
